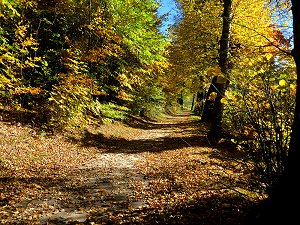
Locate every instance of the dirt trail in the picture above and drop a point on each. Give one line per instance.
(140, 172)
(102, 185)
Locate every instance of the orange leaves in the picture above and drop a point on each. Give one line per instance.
(27, 90)
(278, 39)
(188, 177)
(70, 80)
(49, 175)
(27, 153)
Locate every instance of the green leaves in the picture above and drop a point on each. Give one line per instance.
(136, 21)
(10, 6)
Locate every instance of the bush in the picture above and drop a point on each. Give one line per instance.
(149, 100)
(260, 115)
(108, 111)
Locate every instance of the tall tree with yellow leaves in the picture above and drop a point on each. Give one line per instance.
(220, 82)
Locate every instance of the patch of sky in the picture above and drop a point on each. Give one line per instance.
(169, 10)
(282, 18)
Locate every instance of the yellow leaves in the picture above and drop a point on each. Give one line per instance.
(221, 79)
(261, 70)
(21, 31)
(29, 42)
(224, 101)
(269, 56)
(293, 89)
(9, 57)
(251, 62)
(124, 81)
(258, 61)
(4, 82)
(251, 22)
(7, 4)
(214, 71)
(30, 4)
(31, 62)
(284, 87)
(282, 83)
(212, 96)
(267, 105)
(230, 97)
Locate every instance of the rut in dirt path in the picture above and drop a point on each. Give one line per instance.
(103, 185)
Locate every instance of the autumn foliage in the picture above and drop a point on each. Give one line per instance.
(78, 65)
(68, 55)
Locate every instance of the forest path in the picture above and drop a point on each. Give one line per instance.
(104, 185)
(138, 172)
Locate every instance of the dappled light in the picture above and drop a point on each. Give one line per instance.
(151, 172)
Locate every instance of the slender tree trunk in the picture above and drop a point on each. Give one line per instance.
(208, 108)
(220, 83)
(193, 102)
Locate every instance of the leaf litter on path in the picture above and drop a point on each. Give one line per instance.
(136, 173)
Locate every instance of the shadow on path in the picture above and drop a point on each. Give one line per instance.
(174, 134)
(101, 190)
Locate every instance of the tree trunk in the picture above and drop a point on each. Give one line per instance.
(220, 83)
(209, 104)
(193, 102)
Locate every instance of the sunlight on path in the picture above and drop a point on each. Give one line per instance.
(138, 172)
(108, 177)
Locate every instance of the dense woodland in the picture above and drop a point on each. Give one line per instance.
(65, 57)
(71, 63)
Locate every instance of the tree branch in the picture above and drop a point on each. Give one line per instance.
(268, 39)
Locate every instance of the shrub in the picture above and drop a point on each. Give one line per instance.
(149, 100)
(260, 115)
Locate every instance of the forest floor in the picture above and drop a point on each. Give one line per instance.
(138, 172)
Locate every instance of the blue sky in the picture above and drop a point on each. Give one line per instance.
(168, 7)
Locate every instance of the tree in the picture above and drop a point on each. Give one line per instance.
(196, 54)
(250, 34)
(220, 82)
(194, 46)
(72, 53)
(281, 205)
